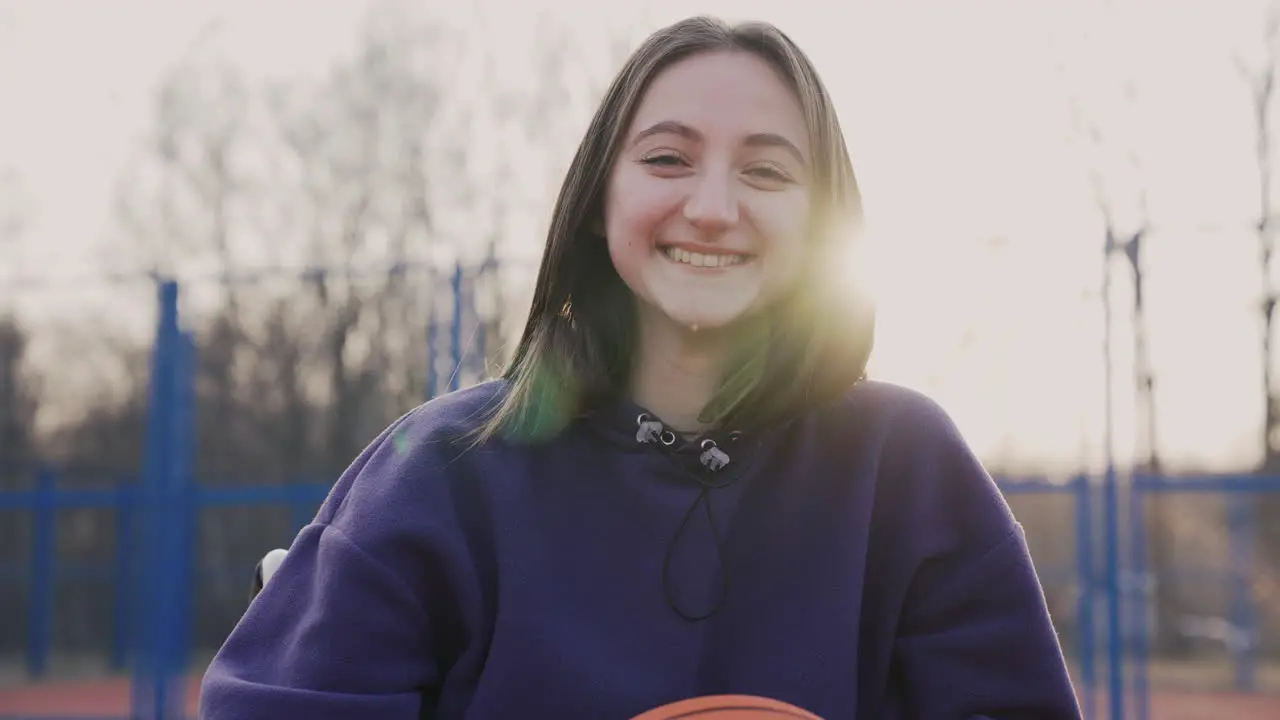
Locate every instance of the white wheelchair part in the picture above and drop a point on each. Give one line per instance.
(266, 567)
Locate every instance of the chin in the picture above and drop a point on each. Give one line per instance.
(702, 304)
(705, 324)
(703, 318)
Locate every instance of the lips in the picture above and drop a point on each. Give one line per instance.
(704, 259)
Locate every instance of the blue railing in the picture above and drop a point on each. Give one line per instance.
(44, 571)
(1240, 494)
(151, 568)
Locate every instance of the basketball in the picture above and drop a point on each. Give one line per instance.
(727, 707)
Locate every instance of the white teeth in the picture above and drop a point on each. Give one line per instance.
(702, 259)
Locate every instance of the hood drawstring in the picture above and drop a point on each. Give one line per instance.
(713, 459)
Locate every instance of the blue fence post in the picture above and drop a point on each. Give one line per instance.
(123, 578)
(1115, 594)
(489, 275)
(1138, 607)
(433, 340)
(154, 604)
(178, 509)
(1084, 603)
(1243, 619)
(455, 330)
(40, 597)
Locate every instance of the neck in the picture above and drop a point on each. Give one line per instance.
(676, 369)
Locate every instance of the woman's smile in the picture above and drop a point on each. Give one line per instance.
(704, 259)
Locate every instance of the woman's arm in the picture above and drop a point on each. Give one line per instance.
(346, 627)
(973, 638)
(975, 641)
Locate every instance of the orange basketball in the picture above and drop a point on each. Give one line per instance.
(727, 707)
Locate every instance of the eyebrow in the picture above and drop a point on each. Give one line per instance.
(673, 127)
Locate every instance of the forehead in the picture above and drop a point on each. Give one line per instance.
(724, 94)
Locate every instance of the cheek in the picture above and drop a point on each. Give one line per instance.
(635, 209)
(786, 225)
(625, 230)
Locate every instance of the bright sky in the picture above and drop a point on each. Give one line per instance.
(987, 236)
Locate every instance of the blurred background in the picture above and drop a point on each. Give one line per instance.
(239, 238)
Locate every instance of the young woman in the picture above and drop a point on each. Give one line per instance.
(682, 485)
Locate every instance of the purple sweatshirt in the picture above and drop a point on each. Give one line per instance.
(856, 562)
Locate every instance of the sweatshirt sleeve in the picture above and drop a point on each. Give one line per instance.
(349, 625)
(976, 642)
(974, 637)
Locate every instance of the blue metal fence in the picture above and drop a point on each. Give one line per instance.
(152, 576)
(1237, 572)
(156, 597)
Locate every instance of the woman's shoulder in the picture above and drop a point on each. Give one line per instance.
(457, 414)
(447, 424)
(914, 444)
(415, 458)
(926, 473)
(886, 409)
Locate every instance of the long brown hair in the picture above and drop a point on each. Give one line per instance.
(577, 346)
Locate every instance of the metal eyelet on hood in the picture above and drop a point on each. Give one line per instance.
(713, 458)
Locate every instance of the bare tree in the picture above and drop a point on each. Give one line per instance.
(17, 452)
(17, 385)
(329, 214)
(19, 392)
(1260, 77)
(539, 121)
(357, 148)
(1261, 81)
(181, 210)
(1127, 234)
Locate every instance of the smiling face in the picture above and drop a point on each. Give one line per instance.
(716, 166)
(708, 200)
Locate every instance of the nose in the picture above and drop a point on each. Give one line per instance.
(712, 207)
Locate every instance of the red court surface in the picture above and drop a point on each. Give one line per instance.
(110, 698)
(105, 698)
